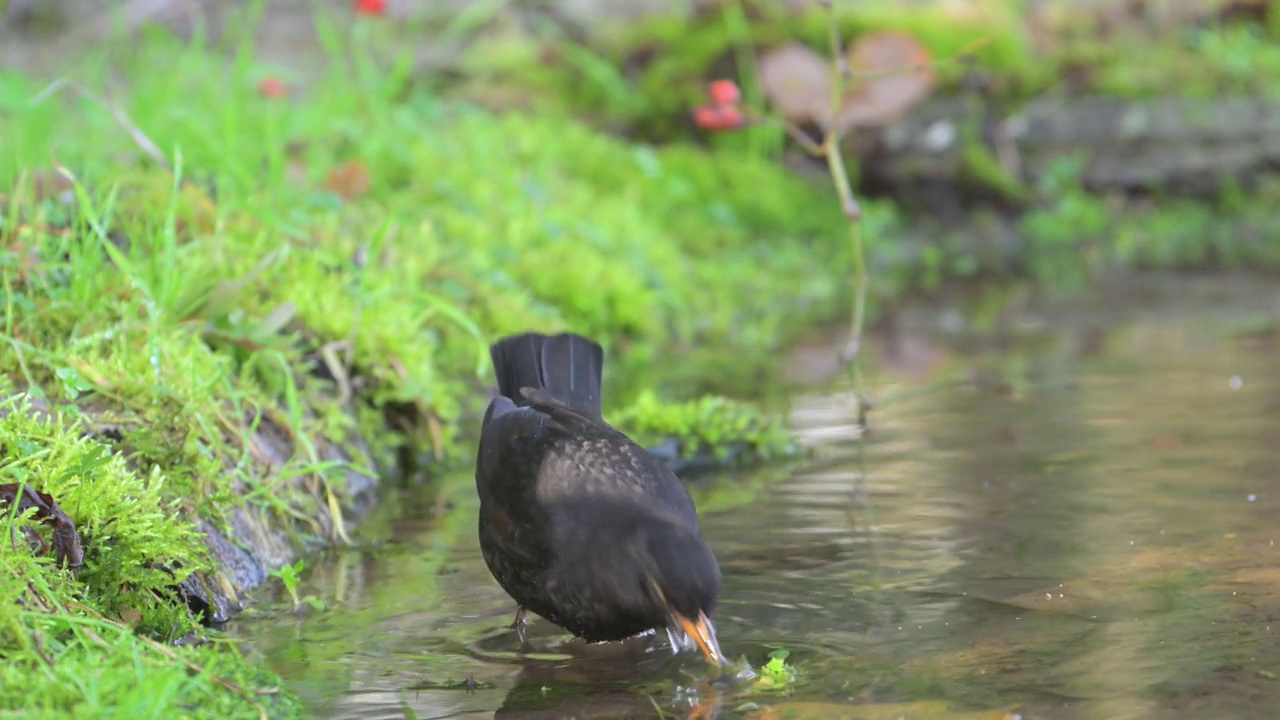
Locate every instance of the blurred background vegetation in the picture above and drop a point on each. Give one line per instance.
(258, 249)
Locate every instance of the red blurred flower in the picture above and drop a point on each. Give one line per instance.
(723, 113)
(273, 87)
(375, 8)
(718, 118)
(724, 92)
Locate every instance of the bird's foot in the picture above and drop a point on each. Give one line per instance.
(521, 626)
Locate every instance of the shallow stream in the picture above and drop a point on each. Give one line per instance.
(1068, 516)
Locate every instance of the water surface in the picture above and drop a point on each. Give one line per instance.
(1075, 521)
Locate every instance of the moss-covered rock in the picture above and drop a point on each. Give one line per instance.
(710, 433)
(72, 639)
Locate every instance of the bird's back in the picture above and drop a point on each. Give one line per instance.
(589, 458)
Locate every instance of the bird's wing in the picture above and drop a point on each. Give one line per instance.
(507, 466)
(594, 457)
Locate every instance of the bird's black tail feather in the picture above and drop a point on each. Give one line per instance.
(567, 366)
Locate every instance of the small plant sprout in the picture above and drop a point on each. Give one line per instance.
(291, 575)
(777, 674)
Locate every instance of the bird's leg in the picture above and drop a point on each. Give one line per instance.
(521, 626)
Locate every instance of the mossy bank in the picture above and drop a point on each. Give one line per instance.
(1064, 140)
(227, 313)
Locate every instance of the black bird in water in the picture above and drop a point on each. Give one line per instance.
(578, 523)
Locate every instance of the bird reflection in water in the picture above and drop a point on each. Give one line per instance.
(612, 681)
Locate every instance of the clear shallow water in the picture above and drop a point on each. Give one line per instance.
(1079, 525)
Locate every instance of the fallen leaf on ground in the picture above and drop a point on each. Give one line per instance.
(350, 180)
(66, 541)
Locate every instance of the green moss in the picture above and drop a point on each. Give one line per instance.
(1072, 236)
(62, 652)
(456, 234)
(1236, 59)
(981, 168)
(93, 664)
(710, 431)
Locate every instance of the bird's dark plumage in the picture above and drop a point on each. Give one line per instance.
(578, 523)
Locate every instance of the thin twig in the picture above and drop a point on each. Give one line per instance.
(329, 353)
(831, 141)
(803, 140)
(849, 205)
(38, 639)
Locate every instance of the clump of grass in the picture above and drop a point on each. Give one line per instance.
(79, 664)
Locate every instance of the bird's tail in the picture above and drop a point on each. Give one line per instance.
(567, 366)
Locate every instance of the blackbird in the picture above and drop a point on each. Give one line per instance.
(578, 523)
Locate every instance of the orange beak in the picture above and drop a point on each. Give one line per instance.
(704, 634)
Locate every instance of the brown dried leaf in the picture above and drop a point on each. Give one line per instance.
(66, 541)
(350, 180)
(892, 72)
